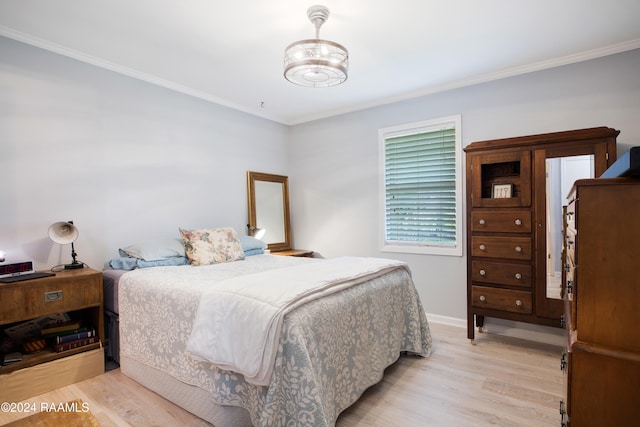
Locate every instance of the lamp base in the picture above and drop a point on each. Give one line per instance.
(74, 266)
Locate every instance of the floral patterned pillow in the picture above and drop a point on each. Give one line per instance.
(212, 245)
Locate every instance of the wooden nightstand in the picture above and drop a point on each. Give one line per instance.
(77, 292)
(295, 252)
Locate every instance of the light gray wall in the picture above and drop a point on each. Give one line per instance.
(126, 160)
(334, 168)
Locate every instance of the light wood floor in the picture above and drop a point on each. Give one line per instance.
(497, 382)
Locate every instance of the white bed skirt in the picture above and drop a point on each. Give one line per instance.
(193, 399)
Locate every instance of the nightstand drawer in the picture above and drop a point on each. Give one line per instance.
(501, 299)
(39, 297)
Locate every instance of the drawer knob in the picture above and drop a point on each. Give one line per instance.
(519, 303)
(482, 247)
(518, 276)
(518, 222)
(482, 272)
(481, 222)
(518, 249)
(483, 298)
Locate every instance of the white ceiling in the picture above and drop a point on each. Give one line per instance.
(231, 52)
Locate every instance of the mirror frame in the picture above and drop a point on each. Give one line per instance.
(252, 177)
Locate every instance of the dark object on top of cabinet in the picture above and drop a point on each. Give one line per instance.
(627, 165)
(511, 262)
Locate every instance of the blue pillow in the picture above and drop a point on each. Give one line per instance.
(249, 242)
(256, 251)
(131, 263)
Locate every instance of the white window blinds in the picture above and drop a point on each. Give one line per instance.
(421, 187)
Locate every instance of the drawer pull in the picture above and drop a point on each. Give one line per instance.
(483, 298)
(518, 249)
(518, 276)
(482, 247)
(482, 272)
(53, 296)
(518, 222)
(519, 303)
(482, 221)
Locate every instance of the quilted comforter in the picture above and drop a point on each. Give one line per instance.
(330, 349)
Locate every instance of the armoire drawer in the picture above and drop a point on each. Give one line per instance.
(502, 273)
(501, 247)
(501, 299)
(501, 221)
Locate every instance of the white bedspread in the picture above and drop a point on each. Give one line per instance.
(239, 320)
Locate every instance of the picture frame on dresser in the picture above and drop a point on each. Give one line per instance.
(501, 191)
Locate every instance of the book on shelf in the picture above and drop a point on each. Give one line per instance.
(56, 328)
(56, 334)
(74, 344)
(87, 333)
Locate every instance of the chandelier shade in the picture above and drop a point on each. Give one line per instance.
(316, 62)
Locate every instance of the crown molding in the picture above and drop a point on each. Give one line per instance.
(509, 72)
(112, 66)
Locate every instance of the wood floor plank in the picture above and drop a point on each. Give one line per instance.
(497, 382)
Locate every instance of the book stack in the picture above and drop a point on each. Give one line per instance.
(68, 335)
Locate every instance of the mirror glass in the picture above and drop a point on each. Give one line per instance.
(268, 202)
(561, 173)
(270, 210)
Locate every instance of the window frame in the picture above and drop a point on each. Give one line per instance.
(415, 247)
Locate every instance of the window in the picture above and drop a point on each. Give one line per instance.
(421, 188)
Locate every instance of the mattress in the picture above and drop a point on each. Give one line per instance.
(330, 351)
(110, 282)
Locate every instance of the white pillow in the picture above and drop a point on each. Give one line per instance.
(153, 250)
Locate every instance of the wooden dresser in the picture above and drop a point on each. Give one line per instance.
(602, 304)
(507, 222)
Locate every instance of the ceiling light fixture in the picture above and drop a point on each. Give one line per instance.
(316, 62)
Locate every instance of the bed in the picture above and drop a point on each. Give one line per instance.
(329, 348)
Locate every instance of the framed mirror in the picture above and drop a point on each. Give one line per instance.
(268, 203)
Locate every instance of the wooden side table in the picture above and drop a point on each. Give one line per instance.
(77, 292)
(295, 252)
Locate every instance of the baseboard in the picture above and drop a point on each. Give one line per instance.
(525, 331)
(446, 320)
